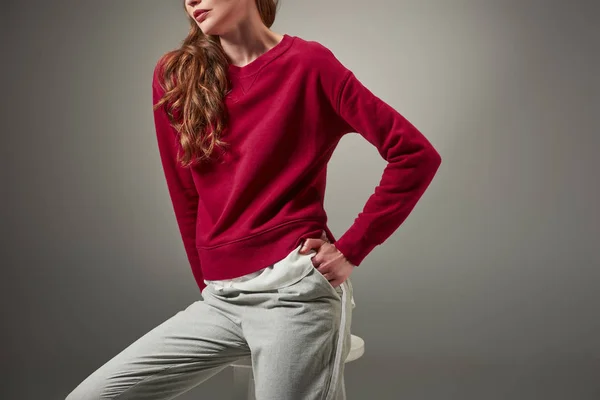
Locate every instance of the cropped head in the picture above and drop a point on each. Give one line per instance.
(195, 76)
(219, 17)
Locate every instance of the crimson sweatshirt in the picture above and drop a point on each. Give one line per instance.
(288, 110)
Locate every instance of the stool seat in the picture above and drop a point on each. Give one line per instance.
(357, 349)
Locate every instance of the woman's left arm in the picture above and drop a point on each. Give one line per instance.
(412, 161)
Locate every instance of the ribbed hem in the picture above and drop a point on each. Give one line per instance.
(247, 255)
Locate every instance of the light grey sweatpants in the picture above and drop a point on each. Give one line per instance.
(298, 336)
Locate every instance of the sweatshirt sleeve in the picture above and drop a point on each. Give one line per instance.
(411, 162)
(180, 184)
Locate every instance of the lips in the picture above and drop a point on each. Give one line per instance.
(198, 13)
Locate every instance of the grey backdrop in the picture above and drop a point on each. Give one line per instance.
(489, 290)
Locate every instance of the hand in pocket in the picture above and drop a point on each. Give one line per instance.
(329, 261)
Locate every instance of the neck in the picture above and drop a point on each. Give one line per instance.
(246, 43)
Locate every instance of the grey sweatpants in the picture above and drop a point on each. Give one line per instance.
(298, 337)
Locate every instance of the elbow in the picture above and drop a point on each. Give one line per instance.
(432, 160)
(436, 158)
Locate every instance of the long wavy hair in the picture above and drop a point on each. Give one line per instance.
(195, 81)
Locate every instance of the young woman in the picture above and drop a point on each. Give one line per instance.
(246, 121)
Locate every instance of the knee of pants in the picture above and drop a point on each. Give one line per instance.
(87, 391)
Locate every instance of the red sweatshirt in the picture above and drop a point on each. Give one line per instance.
(288, 110)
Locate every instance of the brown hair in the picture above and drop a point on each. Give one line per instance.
(195, 81)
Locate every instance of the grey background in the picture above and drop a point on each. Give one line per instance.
(489, 290)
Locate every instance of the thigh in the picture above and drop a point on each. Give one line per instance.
(172, 358)
(299, 338)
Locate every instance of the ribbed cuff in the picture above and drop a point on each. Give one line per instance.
(355, 250)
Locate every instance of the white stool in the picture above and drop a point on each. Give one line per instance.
(244, 379)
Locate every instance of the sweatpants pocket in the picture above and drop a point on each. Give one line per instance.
(319, 276)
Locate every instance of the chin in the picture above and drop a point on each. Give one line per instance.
(210, 32)
(209, 29)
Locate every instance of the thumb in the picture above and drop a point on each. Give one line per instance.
(309, 244)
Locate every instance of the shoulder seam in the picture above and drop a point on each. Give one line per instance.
(338, 102)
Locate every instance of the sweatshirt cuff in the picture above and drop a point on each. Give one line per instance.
(355, 247)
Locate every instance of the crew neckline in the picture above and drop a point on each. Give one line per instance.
(256, 64)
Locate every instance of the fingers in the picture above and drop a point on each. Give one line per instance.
(312, 243)
(334, 280)
(335, 283)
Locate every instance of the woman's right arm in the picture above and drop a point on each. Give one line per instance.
(182, 191)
